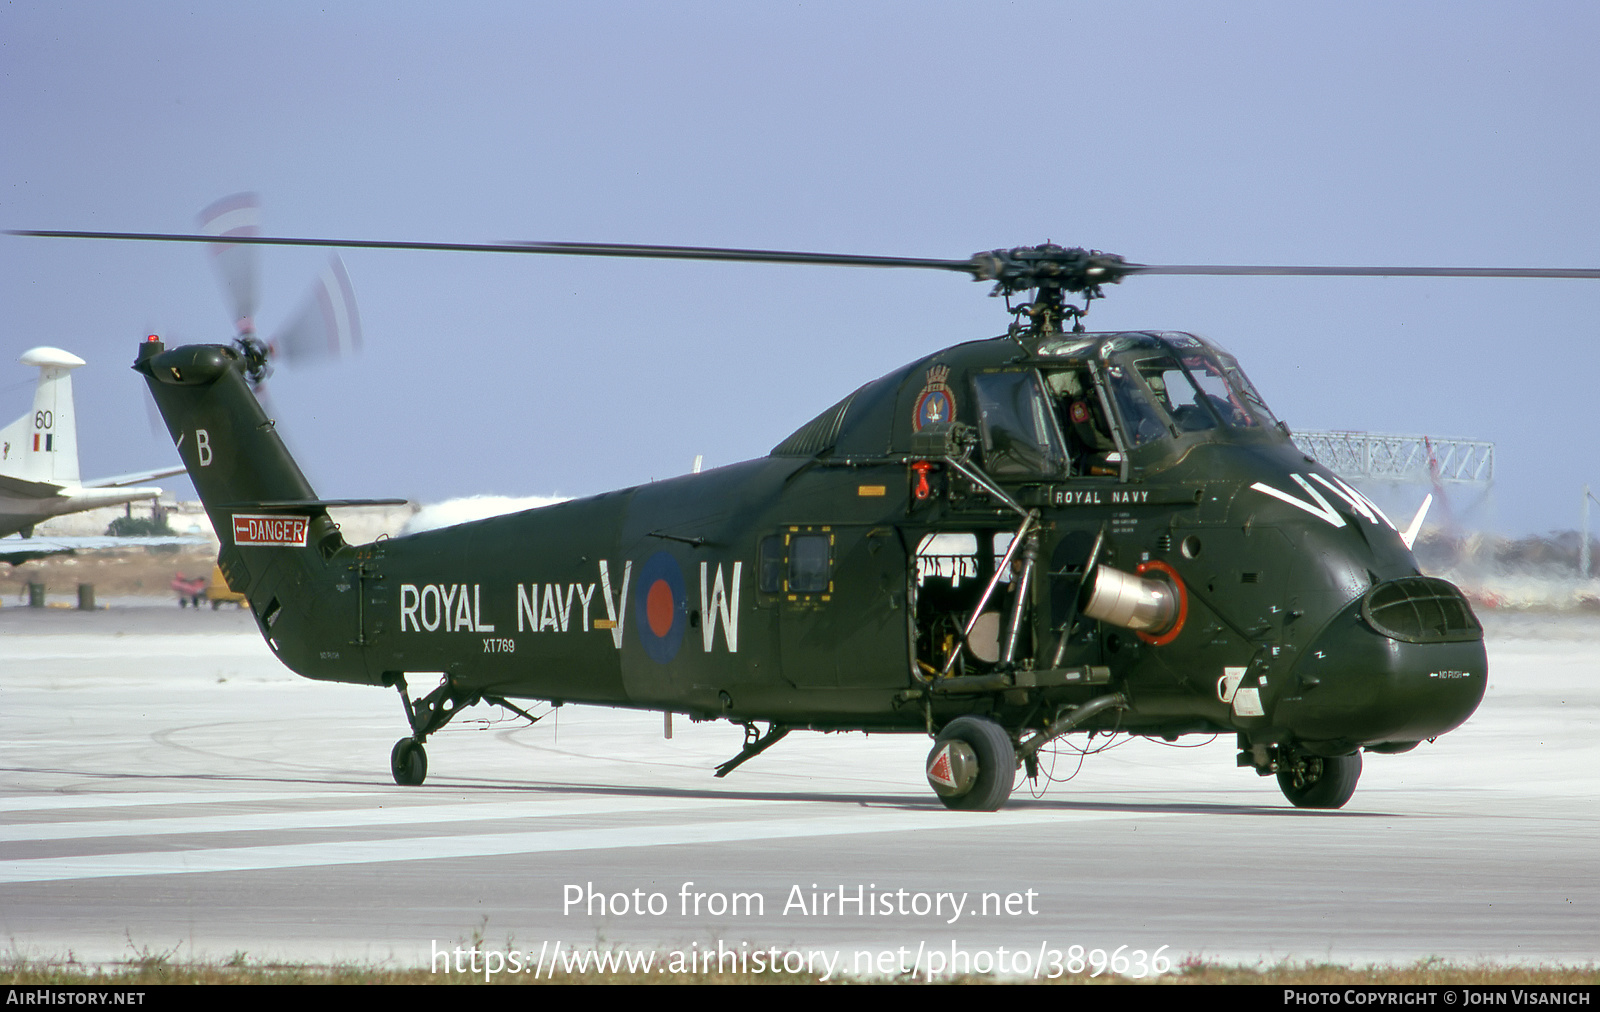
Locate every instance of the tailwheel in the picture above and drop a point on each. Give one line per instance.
(1313, 781)
(408, 762)
(972, 765)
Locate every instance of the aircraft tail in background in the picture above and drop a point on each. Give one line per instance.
(39, 476)
(42, 445)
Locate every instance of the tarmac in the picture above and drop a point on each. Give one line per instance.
(167, 788)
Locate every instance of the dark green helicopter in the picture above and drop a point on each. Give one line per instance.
(1011, 539)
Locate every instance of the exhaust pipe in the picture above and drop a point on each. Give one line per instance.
(1145, 605)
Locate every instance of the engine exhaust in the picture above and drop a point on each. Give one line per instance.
(1133, 602)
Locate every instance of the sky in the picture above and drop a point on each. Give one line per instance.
(1393, 133)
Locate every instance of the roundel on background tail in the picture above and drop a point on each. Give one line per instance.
(661, 607)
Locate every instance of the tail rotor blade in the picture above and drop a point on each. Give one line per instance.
(158, 427)
(327, 326)
(236, 217)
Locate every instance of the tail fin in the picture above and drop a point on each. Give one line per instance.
(43, 445)
(272, 528)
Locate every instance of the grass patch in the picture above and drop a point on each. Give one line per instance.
(147, 968)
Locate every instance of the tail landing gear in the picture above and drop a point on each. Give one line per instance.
(408, 760)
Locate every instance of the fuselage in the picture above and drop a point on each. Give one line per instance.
(861, 576)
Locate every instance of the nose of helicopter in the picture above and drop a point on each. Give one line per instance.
(1402, 663)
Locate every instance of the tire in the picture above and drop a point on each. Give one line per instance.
(1311, 781)
(408, 762)
(984, 746)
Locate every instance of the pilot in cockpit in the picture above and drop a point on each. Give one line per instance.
(1082, 421)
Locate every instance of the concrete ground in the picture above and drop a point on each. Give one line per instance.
(167, 787)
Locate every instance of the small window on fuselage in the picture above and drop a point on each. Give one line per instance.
(809, 557)
(798, 561)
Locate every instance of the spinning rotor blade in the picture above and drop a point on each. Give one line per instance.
(229, 220)
(327, 325)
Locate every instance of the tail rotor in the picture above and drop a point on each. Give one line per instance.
(327, 325)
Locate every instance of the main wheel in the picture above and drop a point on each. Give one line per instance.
(408, 762)
(972, 765)
(1313, 781)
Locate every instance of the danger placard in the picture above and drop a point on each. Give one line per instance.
(268, 530)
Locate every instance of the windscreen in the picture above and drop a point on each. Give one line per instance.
(1177, 384)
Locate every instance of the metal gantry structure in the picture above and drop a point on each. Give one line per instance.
(1430, 460)
(1385, 465)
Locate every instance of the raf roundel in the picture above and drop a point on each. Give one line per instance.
(661, 606)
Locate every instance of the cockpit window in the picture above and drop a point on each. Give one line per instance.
(1018, 428)
(1157, 382)
(1190, 408)
(1138, 385)
(1252, 401)
(1214, 389)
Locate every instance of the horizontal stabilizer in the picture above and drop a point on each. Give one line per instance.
(124, 480)
(311, 504)
(29, 489)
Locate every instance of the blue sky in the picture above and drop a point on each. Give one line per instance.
(1351, 133)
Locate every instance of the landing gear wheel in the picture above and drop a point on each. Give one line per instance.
(1312, 781)
(972, 765)
(408, 762)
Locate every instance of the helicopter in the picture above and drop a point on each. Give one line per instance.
(1044, 532)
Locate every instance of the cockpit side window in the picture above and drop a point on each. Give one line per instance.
(1139, 387)
(1081, 414)
(1020, 438)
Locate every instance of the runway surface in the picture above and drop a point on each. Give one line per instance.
(167, 787)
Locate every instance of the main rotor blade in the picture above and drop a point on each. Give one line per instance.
(983, 266)
(1371, 272)
(588, 249)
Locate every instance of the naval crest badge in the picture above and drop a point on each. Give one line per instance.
(937, 402)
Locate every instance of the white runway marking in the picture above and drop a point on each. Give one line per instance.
(59, 801)
(89, 647)
(396, 815)
(433, 848)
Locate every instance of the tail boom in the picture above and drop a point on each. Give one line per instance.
(278, 546)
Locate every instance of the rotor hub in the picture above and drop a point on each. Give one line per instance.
(1051, 272)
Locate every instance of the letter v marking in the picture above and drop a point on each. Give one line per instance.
(1318, 508)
